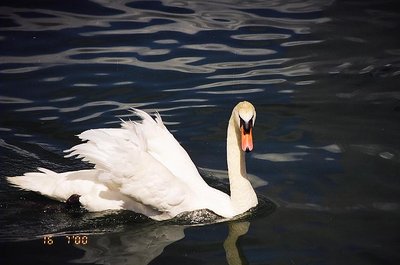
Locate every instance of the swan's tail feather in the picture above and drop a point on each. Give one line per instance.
(60, 186)
(43, 181)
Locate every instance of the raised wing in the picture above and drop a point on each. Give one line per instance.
(144, 162)
(163, 146)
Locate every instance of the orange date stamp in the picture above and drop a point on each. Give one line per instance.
(70, 240)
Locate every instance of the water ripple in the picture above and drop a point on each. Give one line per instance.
(136, 19)
(180, 64)
(13, 100)
(246, 64)
(261, 36)
(233, 92)
(298, 43)
(226, 48)
(300, 69)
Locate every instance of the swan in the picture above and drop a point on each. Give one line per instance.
(141, 167)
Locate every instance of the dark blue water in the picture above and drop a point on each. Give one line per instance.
(324, 77)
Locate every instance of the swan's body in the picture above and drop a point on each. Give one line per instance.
(141, 167)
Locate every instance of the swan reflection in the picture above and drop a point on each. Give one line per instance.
(142, 245)
(234, 255)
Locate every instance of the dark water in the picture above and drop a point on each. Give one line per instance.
(323, 75)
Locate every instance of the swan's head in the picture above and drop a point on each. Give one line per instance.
(245, 115)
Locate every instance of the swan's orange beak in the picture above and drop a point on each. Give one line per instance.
(246, 132)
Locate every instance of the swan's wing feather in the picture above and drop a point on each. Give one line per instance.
(163, 146)
(133, 170)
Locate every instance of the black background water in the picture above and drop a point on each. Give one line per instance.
(323, 75)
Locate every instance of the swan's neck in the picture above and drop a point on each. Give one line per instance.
(243, 196)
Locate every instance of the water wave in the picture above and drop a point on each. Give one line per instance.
(135, 19)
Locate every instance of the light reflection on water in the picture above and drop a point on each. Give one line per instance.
(324, 80)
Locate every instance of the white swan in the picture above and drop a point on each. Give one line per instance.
(141, 167)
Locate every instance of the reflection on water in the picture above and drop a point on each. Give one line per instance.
(331, 150)
(232, 249)
(141, 246)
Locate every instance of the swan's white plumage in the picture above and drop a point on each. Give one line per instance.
(139, 167)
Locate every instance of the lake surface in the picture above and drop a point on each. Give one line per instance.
(324, 77)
